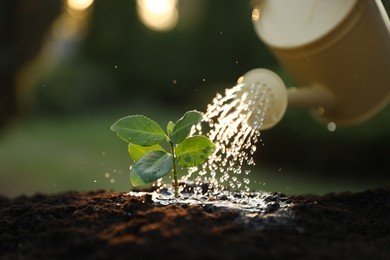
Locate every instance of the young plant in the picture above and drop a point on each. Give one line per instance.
(151, 160)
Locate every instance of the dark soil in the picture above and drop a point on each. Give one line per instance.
(102, 225)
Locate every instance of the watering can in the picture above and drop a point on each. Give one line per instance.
(338, 51)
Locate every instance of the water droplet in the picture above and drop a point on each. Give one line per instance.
(255, 14)
(107, 175)
(112, 180)
(253, 148)
(331, 126)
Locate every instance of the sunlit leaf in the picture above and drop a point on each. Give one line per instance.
(170, 127)
(194, 151)
(139, 130)
(183, 126)
(137, 151)
(151, 167)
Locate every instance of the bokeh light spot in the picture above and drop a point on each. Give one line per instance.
(79, 5)
(158, 15)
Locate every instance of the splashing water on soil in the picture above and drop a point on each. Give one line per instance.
(259, 201)
(258, 209)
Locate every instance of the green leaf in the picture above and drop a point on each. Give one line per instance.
(137, 151)
(136, 179)
(194, 151)
(183, 126)
(150, 167)
(170, 127)
(139, 130)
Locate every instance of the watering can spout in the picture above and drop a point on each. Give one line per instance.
(339, 51)
(314, 97)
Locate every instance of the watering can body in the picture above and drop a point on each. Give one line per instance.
(338, 50)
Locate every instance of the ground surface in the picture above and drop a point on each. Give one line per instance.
(99, 225)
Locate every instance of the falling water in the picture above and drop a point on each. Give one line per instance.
(234, 120)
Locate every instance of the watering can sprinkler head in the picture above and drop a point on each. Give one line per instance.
(339, 51)
(272, 98)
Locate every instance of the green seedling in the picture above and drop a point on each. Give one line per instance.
(151, 160)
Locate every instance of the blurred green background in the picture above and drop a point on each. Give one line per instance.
(69, 69)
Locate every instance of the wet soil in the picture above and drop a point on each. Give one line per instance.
(102, 225)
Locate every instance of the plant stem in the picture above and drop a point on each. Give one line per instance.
(175, 184)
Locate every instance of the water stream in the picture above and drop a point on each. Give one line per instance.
(232, 123)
